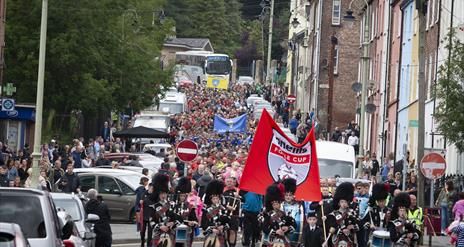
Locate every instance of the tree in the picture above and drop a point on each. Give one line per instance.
(450, 94)
(101, 55)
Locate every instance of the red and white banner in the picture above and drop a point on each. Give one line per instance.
(274, 157)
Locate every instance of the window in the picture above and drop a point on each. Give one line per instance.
(107, 185)
(26, 211)
(427, 20)
(336, 60)
(432, 17)
(126, 190)
(398, 24)
(336, 10)
(87, 183)
(437, 9)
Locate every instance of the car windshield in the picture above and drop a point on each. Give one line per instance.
(70, 206)
(331, 168)
(218, 67)
(133, 180)
(26, 211)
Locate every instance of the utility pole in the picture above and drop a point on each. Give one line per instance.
(421, 107)
(269, 45)
(37, 154)
(364, 80)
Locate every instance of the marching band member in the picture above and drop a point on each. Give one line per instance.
(361, 208)
(163, 220)
(343, 221)
(312, 232)
(214, 220)
(232, 204)
(184, 211)
(276, 225)
(379, 214)
(293, 209)
(403, 232)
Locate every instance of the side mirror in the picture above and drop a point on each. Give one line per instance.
(92, 218)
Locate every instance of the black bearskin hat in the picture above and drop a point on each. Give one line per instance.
(214, 188)
(160, 183)
(401, 200)
(344, 191)
(274, 192)
(380, 192)
(290, 185)
(183, 186)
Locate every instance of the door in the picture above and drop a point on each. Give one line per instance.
(128, 195)
(112, 196)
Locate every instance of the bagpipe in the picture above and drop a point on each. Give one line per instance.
(278, 220)
(217, 215)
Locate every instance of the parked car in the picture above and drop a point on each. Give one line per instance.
(157, 147)
(242, 80)
(11, 235)
(34, 211)
(74, 206)
(70, 233)
(144, 160)
(250, 100)
(117, 187)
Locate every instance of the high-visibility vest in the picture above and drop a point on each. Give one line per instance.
(416, 215)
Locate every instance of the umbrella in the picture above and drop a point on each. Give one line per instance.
(141, 132)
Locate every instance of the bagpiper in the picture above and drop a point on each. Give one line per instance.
(215, 220)
(232, 204)
(163, 220)
(342, 222)
(185, 213)
(293, 209)
(403, 232)
(277, 226)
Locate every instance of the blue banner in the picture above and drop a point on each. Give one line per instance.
(222, 125)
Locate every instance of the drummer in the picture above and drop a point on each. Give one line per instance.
(379, 213)
(184, 211)
(294, 209)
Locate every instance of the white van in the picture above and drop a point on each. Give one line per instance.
(173, 103)
(335, 158)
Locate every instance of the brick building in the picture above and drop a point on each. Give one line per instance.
(328, 62)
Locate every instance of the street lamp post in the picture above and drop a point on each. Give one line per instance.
(36, 154)
(364, 78)
(269, 44)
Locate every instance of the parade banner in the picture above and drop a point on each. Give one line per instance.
(274, 157)
(219, 82)
(222, 125)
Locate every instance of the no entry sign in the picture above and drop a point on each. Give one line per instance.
(291, 99)
(187, 150)
(433, 166)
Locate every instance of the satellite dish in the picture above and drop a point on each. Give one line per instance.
(370, 108)
(357, 87)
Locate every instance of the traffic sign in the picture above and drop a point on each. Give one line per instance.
(8, 104)
(291, 99)
(187, 150)
(433, 166)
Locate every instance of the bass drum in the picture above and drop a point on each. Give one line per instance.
(381, 238)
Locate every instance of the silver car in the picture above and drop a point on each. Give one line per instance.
(73, 205)
(34, 211)
(117, 188)
(12, 235)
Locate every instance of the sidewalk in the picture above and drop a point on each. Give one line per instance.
(440, 241)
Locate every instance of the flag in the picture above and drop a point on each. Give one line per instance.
(273, 157)
(219, 82)
(222, 125)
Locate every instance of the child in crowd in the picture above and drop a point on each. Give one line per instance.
(312, 233)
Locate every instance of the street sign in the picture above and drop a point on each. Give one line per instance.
(9, 89)
(8, 104)
(433, 166)
(187, 150)
(291, 99)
